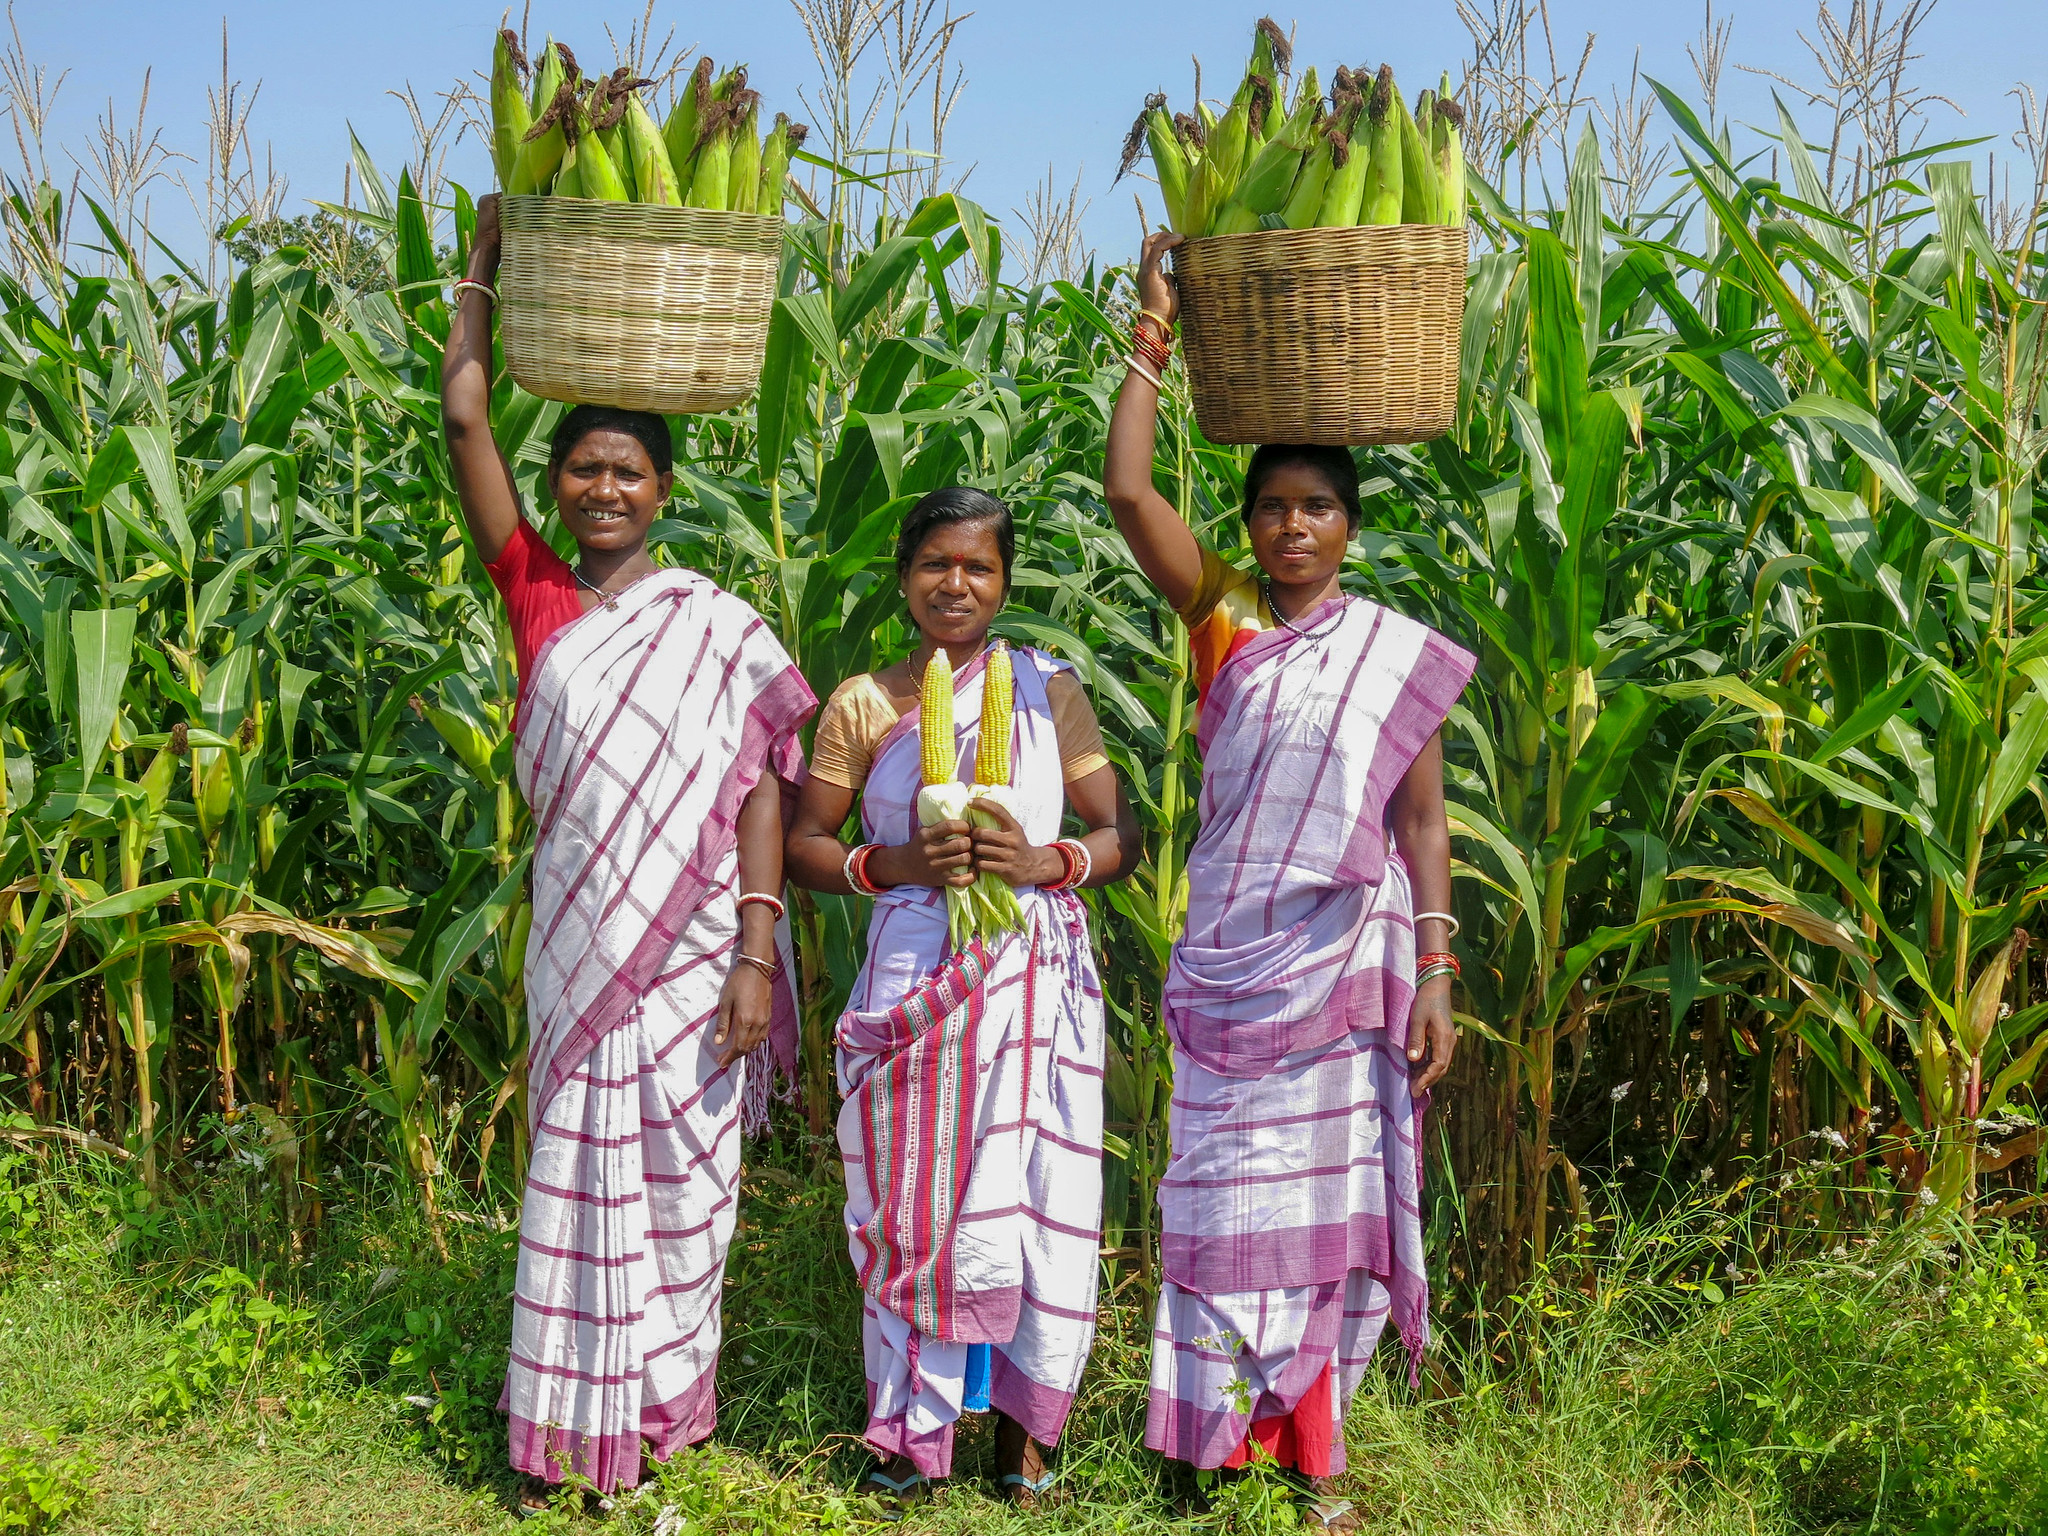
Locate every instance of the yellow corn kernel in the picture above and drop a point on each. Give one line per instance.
(936, 727)
(998, 692)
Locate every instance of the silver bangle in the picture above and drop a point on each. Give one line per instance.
(1442, 917)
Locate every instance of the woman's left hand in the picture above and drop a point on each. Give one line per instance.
(745, 1005)
(1005, 852)
(1432, 1037)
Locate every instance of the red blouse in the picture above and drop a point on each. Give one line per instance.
(540, 594)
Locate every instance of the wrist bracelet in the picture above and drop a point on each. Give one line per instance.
(764, 899)
(1424, 977)
(1165, 325)
(856, 875)
(1439, 961)
(1144, 373)
(483, 288)
(769, 968)
(1442, 917)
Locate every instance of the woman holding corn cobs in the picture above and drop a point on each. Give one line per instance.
(1297, 1003)
(656, 729)
(970, 1054)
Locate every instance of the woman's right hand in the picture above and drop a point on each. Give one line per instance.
(941, 854)
(486, 245)
(1157, 291)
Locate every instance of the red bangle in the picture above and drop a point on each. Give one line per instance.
(857, 870)
(1070, 865)
(1441, 957)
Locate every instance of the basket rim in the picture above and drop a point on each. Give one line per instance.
(544, 215)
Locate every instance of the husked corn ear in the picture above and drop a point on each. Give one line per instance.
(998, 695)
(941, 757)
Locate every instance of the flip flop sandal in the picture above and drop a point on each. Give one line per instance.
(1332, 1515)
(1020, 1490)
(897, 1497)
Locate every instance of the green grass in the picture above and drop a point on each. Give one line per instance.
(353, 1387)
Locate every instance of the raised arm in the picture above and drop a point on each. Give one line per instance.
(483, 480)
(1162, 544)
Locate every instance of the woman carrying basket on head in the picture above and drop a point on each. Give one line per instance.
(1308, 1000)
(657, 728)
(972, 1072)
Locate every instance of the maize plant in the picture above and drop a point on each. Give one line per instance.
(1738, 514)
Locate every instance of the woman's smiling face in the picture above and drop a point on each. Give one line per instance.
(608, 490)
(1299, 528)
(956, 584)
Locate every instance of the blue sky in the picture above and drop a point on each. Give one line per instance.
(1049, 82)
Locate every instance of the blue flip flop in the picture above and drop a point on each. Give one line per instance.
(1024, 1484)
(898, 1493)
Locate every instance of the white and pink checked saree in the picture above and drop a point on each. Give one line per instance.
(972, 1124)
(645, 726)
(1290, 1214)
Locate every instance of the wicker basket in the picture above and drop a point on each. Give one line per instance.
(1324, 335)
(634, 304)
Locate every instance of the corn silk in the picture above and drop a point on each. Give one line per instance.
(971, 1126)
(644, 728)
(1290, 1214)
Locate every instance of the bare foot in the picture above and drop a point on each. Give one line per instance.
(533, 1495)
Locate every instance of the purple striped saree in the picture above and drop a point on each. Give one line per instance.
(645, 726)
(971, 1126)
(1290, 1213)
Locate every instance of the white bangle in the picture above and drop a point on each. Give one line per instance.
(483, 288)
(1144, 372)
(764, 899)
(1442, 917)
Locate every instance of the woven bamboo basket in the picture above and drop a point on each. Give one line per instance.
(1345, 336)
(636, 305)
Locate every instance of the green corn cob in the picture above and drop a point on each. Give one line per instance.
(595, 172)
(608, 118)
(685, 120)
(1344, 193)
(1382, 201)
(783, 140)
(1271, 56)
(711, 177)
(1305, 202)
(510, 115)
(1448, 150)
(743, 181)
(540, 152)
(1264, 187)
(654, 179)
(568, 177)
(1418, 176)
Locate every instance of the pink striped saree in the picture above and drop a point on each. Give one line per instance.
(971, 1126)
(1290, 1214)
(645, 726)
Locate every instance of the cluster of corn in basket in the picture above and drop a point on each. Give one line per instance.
(987, 907)
(565, 135)
(1359, 157)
